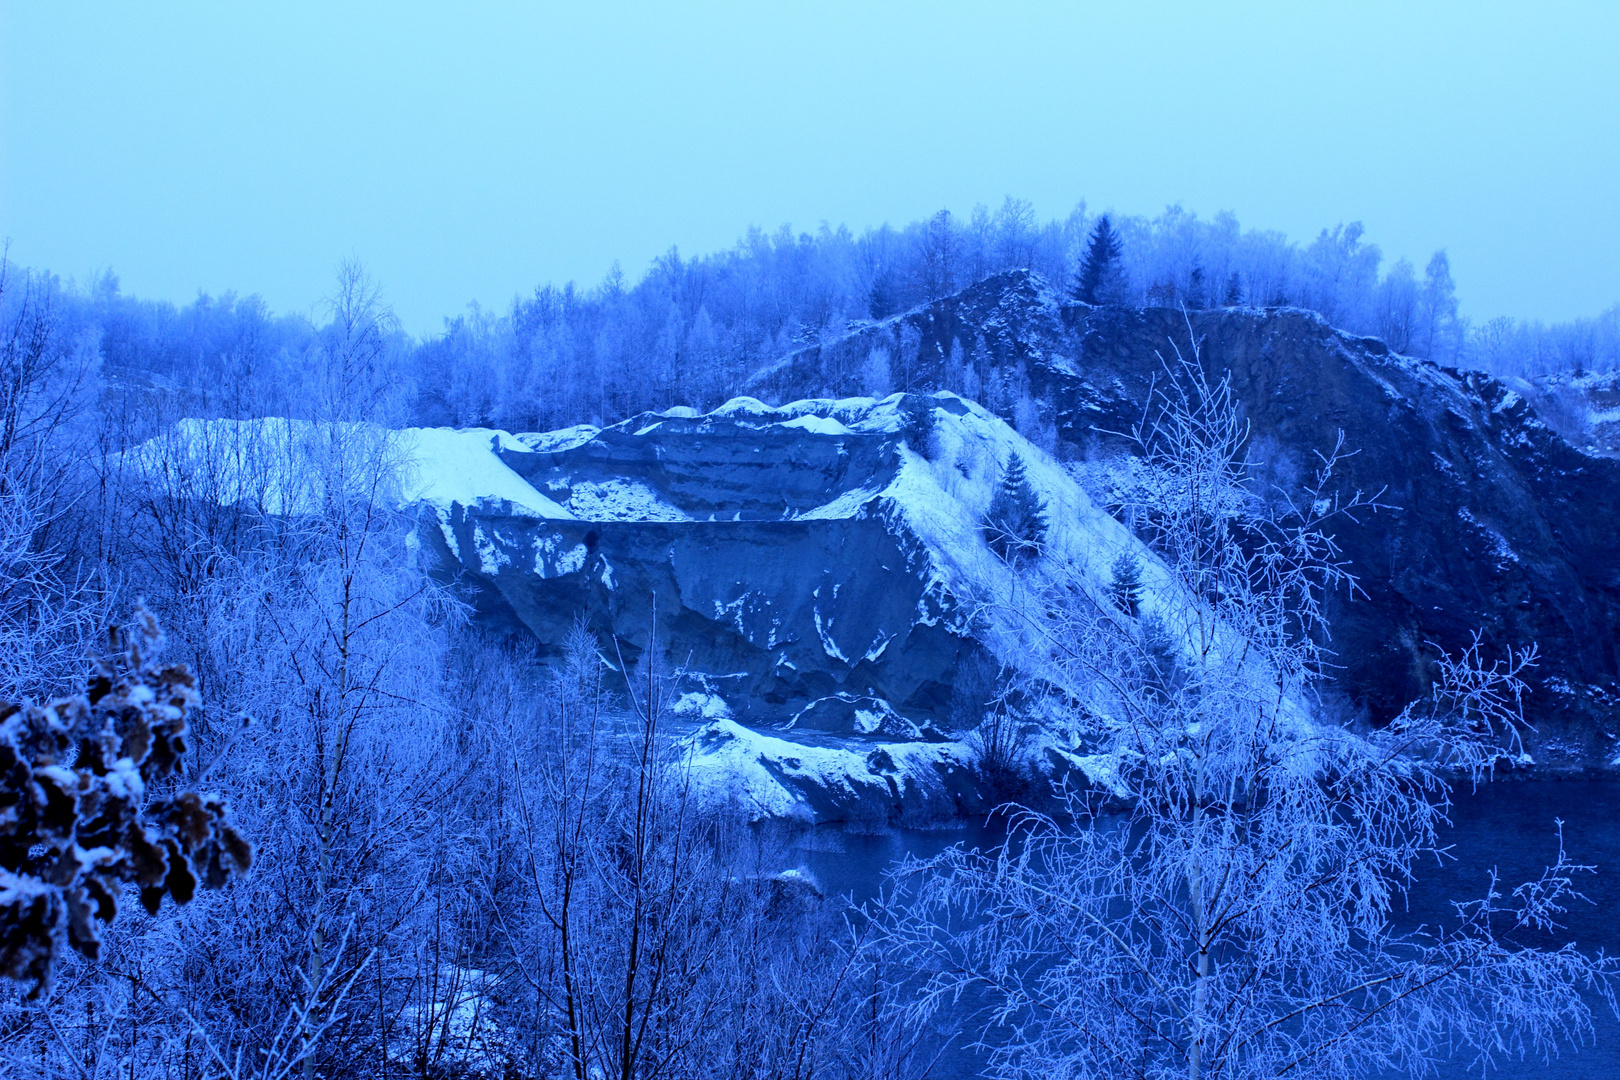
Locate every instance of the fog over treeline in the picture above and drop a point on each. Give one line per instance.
(692, 330)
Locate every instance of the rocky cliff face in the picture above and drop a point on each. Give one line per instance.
(817, 573)
(778, 573)
(787, 558)
(1495, 521)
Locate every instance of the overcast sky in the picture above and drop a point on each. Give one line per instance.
(473, 150)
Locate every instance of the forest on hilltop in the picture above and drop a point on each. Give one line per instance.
(692, 330)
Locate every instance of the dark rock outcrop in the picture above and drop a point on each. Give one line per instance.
(780, 572)
(1494, 522)
(817, 583)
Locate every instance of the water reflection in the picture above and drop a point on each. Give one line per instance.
(1508, 826)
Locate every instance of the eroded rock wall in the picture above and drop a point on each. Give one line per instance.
(1493, 521)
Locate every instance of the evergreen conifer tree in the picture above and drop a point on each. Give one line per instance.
(1100, 263)
(918, 430)
(1234, 291)
(1127, 585)
(1016, 524)
(1196, 298)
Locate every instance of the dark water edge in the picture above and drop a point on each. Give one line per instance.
(1511, 826)
(1507, 825)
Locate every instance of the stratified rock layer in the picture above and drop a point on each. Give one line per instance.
(765, 585)
(819, 571)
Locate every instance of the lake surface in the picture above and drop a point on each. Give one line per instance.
(1509, 826)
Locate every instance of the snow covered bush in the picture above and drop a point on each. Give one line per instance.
(1237, 919)
(76, 822)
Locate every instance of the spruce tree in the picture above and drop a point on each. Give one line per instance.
(918, 427)
(1126, 588)
(1016, 525)
(1234, 291)
(1100, 263)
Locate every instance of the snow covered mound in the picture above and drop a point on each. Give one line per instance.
(278, 466)
(819, 568)
(764, 776)
(796, 552)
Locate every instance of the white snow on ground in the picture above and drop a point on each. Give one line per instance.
(729, 764)
(550, 442)
(283, 466)
(820, 425)
(850, 504)
(462, 1015)
(765, 776)
(621, 500)
(706, 706)
(824, 632)
(444, 466)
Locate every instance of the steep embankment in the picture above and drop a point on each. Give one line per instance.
(817, 574)
(819, 581)
(1493, 521)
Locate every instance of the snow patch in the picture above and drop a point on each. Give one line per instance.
(1500, 548)
(824, 632)
(819, 425)
(281, 466)
(572, 560)
(445, 466)
(705, 706)
(767, 777)
(553, 442)
(621, 500)
(850, 504)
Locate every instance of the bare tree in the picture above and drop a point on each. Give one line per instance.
(48, 607)
(1235, 920)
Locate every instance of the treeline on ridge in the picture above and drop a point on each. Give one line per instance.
(692, 330)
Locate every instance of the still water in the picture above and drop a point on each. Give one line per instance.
(1508, 826)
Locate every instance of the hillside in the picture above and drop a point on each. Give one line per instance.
(1493, 520)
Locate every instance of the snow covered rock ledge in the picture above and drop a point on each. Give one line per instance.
(820, 570)
(820, 567)
(796, 553)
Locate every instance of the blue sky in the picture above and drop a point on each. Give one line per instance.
(474, 150)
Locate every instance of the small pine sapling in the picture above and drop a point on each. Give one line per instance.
(76, 820)
(1126, 588)
(918, 427)
(1016, 524)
